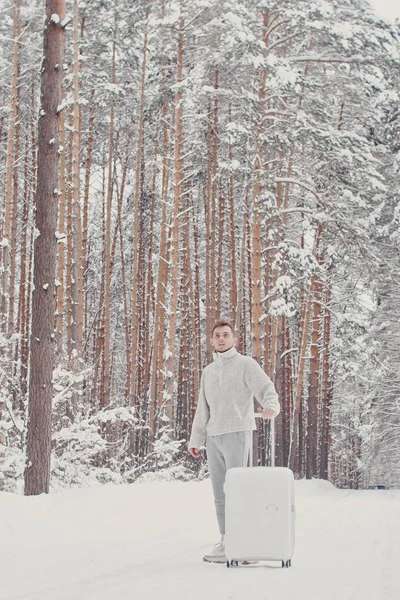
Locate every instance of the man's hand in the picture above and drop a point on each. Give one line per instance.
(194, 452)
(267, 413)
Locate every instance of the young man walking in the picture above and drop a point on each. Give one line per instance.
(224, 416)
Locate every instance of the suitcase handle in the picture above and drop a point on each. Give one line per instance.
(272, 421)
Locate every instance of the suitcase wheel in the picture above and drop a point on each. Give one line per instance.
(233, 563)
(286, 564)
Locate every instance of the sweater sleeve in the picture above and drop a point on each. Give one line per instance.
(199, 433)
(261, 386)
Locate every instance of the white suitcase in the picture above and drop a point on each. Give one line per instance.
(259, 514)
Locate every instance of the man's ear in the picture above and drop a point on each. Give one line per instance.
(235, 341)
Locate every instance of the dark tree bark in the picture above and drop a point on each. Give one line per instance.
(42, 342)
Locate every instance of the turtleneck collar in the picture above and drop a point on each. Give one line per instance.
(222, 357)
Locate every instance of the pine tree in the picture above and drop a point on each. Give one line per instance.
(42, 346)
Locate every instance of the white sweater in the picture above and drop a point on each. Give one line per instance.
(226, 396)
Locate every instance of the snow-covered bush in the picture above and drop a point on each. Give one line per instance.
(93, 449)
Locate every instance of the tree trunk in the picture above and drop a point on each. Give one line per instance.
(149, 299)
(98, 381)
(77, 296)
(135, 265)
(220, 270)
(288, 394)
(26, 326)
(209, 248)
(85, 219)
(37, 471)
(156, 391)
(178, 190)
(14, 218)
(23, 299)
(326, 388)
(256, 327)
(313, 388)
(301, 362)
(10, 155)
(68, 274)
(107, 251)
(61, 237)
(183, 398)
(197, 365)
(213, 208)
(233, 282)
(241, 277)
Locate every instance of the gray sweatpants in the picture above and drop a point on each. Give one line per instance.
(225, 452)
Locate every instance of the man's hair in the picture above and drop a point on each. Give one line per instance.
(222, 323)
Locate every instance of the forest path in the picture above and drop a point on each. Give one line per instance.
(146, 541)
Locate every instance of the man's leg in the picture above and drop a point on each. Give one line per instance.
(236, 448)
(225, 452)
(217, 470)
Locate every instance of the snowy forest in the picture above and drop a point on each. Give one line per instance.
(213, 159)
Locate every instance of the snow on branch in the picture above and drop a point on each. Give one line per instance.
(332, 59)
(16, 421)
(284, 40)
(301, 209)
(187, 25)
(183, 212)
(275, 26)
(273, 113)
(296, 182)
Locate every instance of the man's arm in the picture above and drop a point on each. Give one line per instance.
(263, 389)
(199, 433)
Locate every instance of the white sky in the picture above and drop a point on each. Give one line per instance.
(388, 9)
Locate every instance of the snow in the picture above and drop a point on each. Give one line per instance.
(61, 238)
(323, 7)
(233, 19)
(147, 540)
(114, 89)
(172, 18)
(283, 283)
(284, 76)
(343, 29)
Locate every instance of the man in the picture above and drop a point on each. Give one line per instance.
(225, 415)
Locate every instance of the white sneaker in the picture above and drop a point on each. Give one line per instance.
(218, 553)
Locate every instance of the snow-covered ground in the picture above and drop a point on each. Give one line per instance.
(146, 541)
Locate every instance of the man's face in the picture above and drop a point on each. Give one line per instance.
(223, 339)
